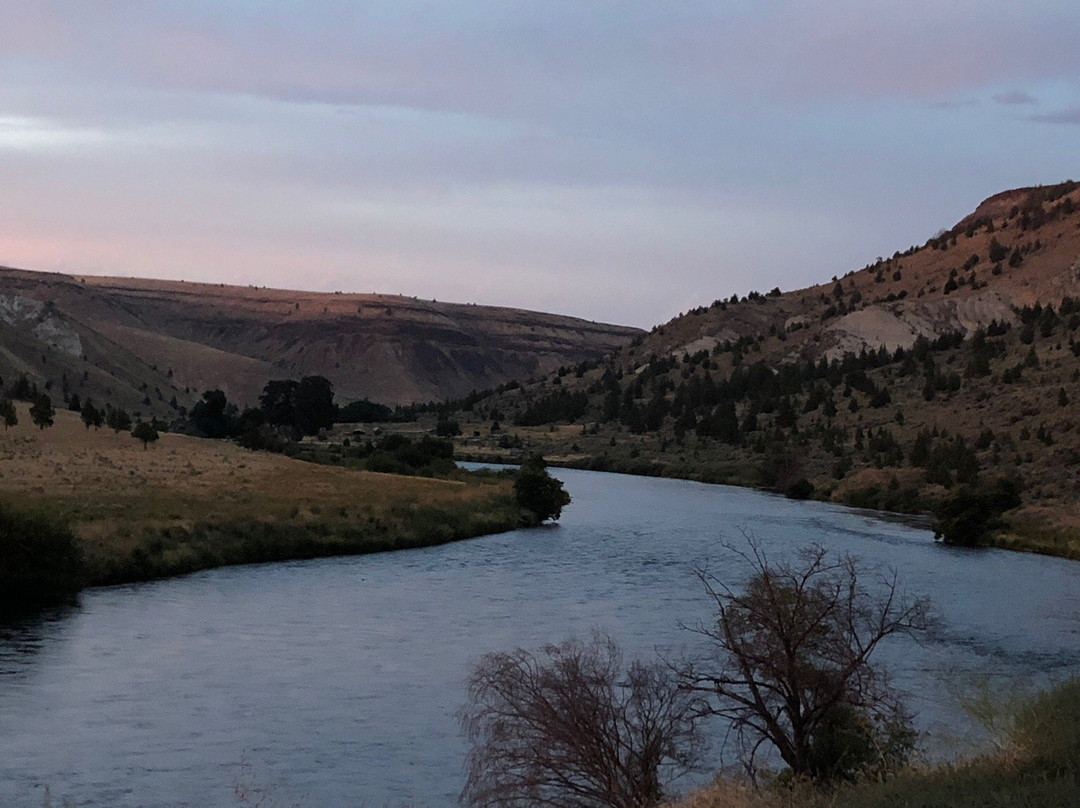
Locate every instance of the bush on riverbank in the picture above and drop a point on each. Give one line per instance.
(968, 515)
(40, 560)
(540, 495)
(1038, 767)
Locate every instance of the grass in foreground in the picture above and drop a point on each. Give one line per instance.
(187, 504)
(1038, 767)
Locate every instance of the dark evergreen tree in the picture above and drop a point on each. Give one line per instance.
(314, 405)
(117, 419)
(91, 416)
(24, 389)
(42, 412)
(146, 432)
(214, 416)
(7, 413)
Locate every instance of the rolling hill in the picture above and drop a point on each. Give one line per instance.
(154, 345)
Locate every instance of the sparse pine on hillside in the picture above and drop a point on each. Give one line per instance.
(146, 432)
(8, 413)
(42, 412)
(878, 388)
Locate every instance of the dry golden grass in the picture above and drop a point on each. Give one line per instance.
(724, 793)
(95, 476)
(118, 496)
(1053, 529)
(733, 793)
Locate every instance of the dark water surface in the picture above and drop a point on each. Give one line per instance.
(336, 681)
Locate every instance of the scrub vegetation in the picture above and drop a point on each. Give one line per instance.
(1036, 766)
(117, 511)
(787, 667)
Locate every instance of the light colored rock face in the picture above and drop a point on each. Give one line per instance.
(870, 328)
(27, 313)
(16, 310)
(899, 325)
(707, 343)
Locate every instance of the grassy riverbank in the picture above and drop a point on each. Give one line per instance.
(1051, 527)
(186, 504)
(1036, 765)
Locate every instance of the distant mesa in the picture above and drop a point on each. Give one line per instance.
(142, 343)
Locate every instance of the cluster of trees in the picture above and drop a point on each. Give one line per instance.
(677, 394)
(288, 409)
(787, 669)
(561, 405)
(364, 411)
(43, 413)
(399, 454)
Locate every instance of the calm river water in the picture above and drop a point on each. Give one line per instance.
(335, 682)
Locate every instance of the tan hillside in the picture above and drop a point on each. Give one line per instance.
(894, 300)
(953, 363)
(138, 343)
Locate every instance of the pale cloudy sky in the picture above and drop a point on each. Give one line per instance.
(616, 160)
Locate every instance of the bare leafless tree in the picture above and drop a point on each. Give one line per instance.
(790, 662)
(573, 727)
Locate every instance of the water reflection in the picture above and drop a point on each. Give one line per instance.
(25, 633)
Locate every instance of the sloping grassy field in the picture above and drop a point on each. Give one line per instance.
(185, 503)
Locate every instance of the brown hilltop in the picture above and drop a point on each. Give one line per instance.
(924, 291)
(128, 340)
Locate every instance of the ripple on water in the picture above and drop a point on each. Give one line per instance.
(336, 681)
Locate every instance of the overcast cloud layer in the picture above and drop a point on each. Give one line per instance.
(620, 161)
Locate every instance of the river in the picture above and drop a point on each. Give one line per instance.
(335, 682)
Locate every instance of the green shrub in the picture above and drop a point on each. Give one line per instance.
(538, 492)
(802, 488)
(40, 560)
(968, 515)
(1048, 730)
(1038, 767)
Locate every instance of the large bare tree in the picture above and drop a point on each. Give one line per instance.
(574, 727)
(790, 665)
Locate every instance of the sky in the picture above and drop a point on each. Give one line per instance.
(615, 160)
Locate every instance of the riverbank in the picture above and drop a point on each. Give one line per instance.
(186, 504)
(1036, 764)
(1051, 529)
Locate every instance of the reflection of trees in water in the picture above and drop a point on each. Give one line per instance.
(24, 633)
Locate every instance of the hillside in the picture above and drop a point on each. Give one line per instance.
(142, 343)
(950, 363)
